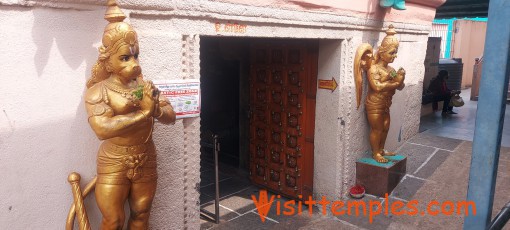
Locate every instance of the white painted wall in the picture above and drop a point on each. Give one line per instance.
(46, 57)
(328, 139)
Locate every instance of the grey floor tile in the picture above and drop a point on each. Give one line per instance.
(428, 192)
(205, 198)
(227, 187)
(504, 169)
(453, 132)
(249, 221)
(454, 171)
(435, 141)
(364, 219)
(416, 155)
(407, 188)
(208, 177)
(328, 223)
(241, 202)
(432, 165)
(295, 222)
(205, 223)
(292, 215)
(225, 213)
(504, 153)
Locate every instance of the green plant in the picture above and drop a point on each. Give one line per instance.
(393, 74)
(138, 93)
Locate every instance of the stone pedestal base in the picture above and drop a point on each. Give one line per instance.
(380, 178)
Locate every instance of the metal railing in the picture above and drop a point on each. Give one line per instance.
(216, 147)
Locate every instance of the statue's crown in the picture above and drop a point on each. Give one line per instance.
(390, 38)
(391, 30)
(113, 12)
(117, 31)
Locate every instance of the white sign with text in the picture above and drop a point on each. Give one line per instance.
(183, 94)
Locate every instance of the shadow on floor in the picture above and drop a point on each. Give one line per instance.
(460, 126)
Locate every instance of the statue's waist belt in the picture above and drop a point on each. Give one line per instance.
(133, 149)
(115, 158)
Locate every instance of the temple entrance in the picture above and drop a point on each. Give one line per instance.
(283, 78)
(258, 96)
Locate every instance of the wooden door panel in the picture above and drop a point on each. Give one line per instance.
(282, 100)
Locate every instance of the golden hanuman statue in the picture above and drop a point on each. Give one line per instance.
(383, 80)
(121, 109)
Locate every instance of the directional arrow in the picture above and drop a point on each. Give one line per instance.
(328, 84)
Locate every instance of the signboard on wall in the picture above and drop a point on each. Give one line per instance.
(183, 94)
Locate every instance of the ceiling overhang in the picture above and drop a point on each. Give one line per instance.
(463, 8)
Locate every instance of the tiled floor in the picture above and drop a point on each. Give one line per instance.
(238, 211)
(437, 169)
(462, 125)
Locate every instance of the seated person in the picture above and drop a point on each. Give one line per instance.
(442, 93)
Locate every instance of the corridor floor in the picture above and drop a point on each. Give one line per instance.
(462, 125)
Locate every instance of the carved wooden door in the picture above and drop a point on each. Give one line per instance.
(283, 76)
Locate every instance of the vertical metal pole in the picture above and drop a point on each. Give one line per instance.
(216, 181)
(490, 115)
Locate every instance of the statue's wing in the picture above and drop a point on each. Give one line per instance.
(362, 61)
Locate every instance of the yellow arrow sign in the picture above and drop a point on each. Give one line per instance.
(328, 84)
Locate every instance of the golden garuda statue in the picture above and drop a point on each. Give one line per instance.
(121, 108)
(383, 80)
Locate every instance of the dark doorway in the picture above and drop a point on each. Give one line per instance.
(220, 102)
(222, 67)
(225, 94)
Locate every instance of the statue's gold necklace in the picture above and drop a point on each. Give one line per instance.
(126, 93)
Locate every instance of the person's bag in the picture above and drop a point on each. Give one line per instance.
(456, 101)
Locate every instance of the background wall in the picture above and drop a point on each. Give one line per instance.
(47, 55)
(468, 43)
(50, 46)
(431, 60)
